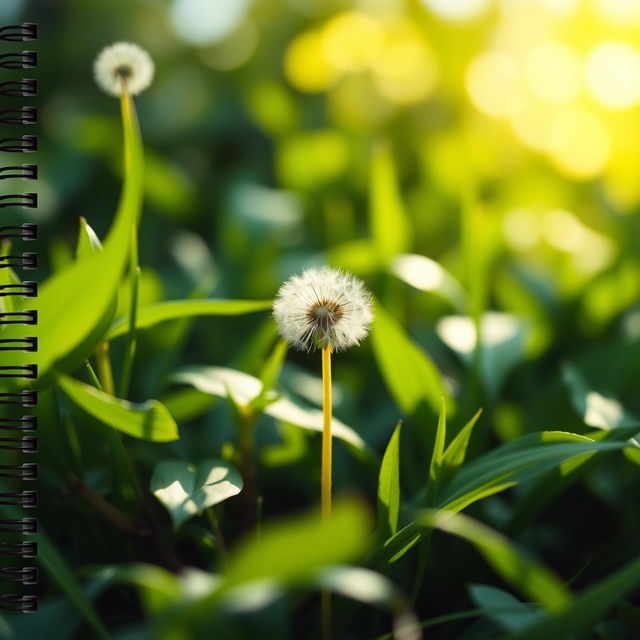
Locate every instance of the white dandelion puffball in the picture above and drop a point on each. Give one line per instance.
(321, 308)
(123, 61)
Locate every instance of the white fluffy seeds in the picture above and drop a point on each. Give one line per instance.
(323, 307)
(123, 61)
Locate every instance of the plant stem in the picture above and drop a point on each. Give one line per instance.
(128, 111)
(131, 344)
(93, 376)
(104, 368)
(325, 473)
(326, 433)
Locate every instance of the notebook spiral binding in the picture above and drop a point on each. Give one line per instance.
(18, 433)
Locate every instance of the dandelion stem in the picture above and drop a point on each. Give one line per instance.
(326, 433)
(325, 481)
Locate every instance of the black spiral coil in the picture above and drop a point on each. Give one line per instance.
(18, 434)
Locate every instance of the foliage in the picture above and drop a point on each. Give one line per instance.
(486, 444)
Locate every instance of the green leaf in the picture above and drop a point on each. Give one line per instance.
(587, 608)
(519, 460)
(148, 420)
(527, 576)
(388, 218)
(296, 548)
(522, 459)
(410, 375)
(503, 608)
(220, 381)
(187, 489)
(427, 275)
(7, 276)
(456, 452)
(437, 455)
(75, 301)
(389, 485)
(172, 310)
(88, 242)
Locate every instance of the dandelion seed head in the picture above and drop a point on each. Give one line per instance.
(123, 63)
(323, 307)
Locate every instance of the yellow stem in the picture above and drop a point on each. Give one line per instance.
(325, 473)
(326, 433)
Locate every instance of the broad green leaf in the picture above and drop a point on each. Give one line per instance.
(426, 274)
(506, 610)
(527, 576)
(187, 489)
(298, 547)
(388, 218)
(220, 381)
(437, 455)
(153, 314)
(148, 420)
(502, 347)
(410, 375)
(522, 459)
(389, 485)
(75, 301)
(587, 608)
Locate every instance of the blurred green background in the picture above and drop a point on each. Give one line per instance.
(505, 134)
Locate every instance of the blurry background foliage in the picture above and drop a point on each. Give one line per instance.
(475, 161)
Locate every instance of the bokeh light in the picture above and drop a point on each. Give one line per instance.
(613, 74)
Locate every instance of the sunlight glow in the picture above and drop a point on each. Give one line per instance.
(579, 143)
(553, 72)
(493, 83)
(613, 74)
(457, 9)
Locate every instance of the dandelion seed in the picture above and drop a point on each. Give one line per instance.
(323, 308)
(121, 66)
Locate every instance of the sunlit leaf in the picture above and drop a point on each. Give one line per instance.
(296, 548)
(148, 420)
(186, 489)
(426, 274)
(219, 381)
